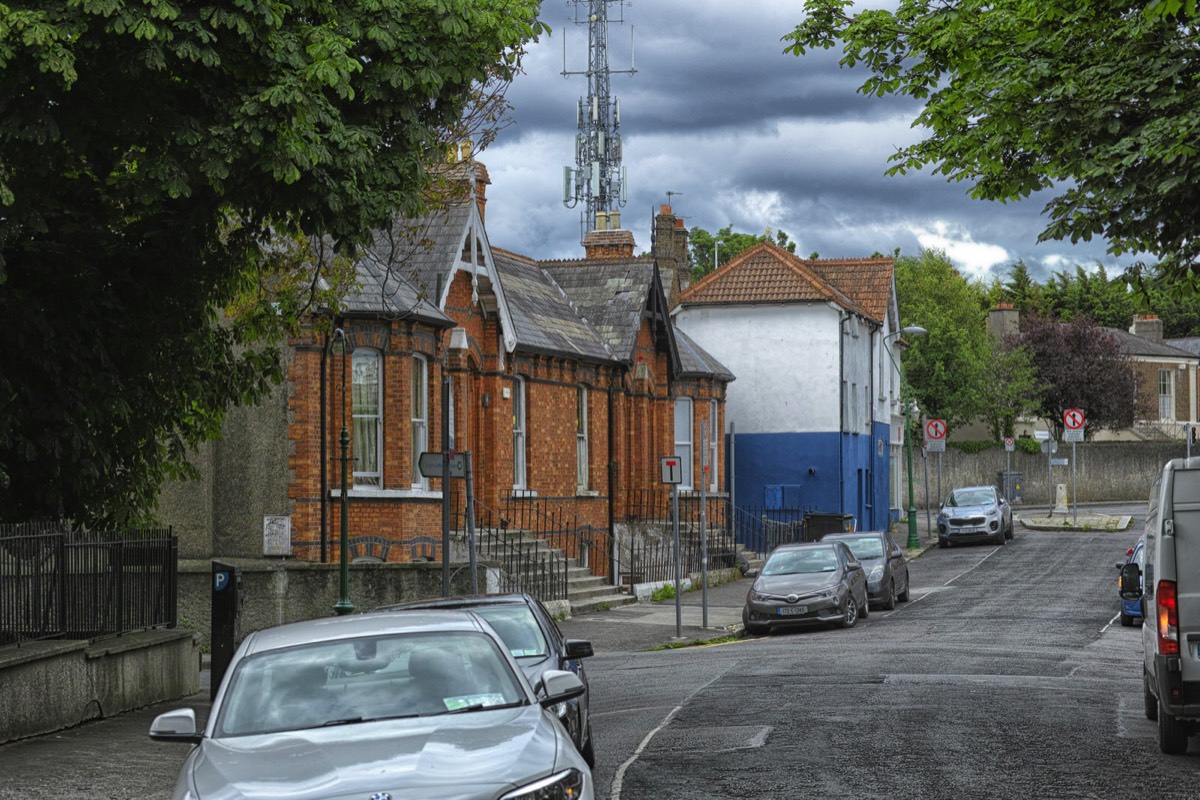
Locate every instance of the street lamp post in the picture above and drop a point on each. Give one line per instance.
(716, 252)
(343, 605)
(911, 330)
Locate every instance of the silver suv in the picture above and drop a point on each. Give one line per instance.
(1170, 604)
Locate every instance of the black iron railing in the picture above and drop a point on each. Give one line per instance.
(56, 583)
(646, 550)
(760, 530)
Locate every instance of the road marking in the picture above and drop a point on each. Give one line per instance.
(619, 777)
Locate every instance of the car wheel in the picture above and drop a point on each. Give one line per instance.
(1008, 534)
(1000, 539)
(1149, 701)
(1126, 620)
(850, 614)
(890, 594)
(1172, 733)
(903, 596)
(589, 751)
(943, 543)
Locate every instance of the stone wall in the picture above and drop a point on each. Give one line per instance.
(77, 681)
(277, 592)
(1104, 471)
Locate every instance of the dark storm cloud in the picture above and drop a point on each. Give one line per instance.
(742, 134)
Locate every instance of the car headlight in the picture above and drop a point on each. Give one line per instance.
(993, 512)
(876, 572)
(560, 710)
(560, 786)
(759, 597)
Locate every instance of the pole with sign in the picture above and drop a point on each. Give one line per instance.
(704, 467)
(1073, 419)
(1009, 446)
(672, 473)
(935, 442)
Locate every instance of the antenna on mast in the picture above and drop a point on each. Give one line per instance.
(598, 179)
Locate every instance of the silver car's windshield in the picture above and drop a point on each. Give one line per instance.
(971, 497)
(358, 680)
(518, 628)
(799, 562)
(865, 548)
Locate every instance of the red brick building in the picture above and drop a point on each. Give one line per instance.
(566, 382)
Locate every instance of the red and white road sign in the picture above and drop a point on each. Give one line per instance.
(1073, 419)
(1009, 444)
(935, 429)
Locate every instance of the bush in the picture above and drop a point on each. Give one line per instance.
(1029, 446)
(974, 445)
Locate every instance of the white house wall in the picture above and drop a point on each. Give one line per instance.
(785, 359)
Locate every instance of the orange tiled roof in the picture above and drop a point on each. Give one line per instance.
(766, 273)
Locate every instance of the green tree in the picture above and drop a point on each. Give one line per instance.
(1023, 291)
(1107, 301)
(947, 369)
(1079, 365)
(1012, 390)
(1094, 100)
(150, 154)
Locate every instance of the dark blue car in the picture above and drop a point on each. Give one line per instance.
(1131, 610)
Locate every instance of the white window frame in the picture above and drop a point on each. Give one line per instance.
(365, 421)
(582, 448)
(1166, 394)
(684, 445)
(520, 409)
(418, 393)
(714, 444)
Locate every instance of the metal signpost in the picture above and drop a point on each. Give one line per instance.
(1009, 446)
(704, 467)
(672, 473)
(935, 442)
(1073, 419)
(1049, 447)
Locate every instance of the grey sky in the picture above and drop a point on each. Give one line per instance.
(746, 136)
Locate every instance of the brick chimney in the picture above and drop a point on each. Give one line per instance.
(670, 251)
(1004, 320)
(1147, 326)
(611, 244)
(461, 167)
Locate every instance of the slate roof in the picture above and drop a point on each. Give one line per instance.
(1190, 344)
(609, 293)
(428, 246)
(543, 317)
(768, 274)
(384, 289)
(695, 360)
(1138, 346)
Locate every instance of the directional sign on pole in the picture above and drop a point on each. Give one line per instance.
(430, 465)
(935, 436)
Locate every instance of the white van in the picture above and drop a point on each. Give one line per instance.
(1171, 604)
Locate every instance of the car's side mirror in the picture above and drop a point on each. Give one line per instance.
(578, 648)
(558, 686)
(1131, 581)
(176, 726)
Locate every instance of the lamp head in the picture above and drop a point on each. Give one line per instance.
(338, 346)
(913, 330)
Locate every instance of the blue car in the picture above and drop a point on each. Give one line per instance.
(1131, 610)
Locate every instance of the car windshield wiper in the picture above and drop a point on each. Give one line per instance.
(352, 720)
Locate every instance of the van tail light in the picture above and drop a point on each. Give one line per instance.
(1168, 619)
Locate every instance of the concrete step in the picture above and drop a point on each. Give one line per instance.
(601, 602)
(577, 593)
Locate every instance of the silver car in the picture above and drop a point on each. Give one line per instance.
(402, 704)
(818, 583)
(974, 514)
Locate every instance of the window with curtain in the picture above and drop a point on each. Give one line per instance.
(518, 401)
(581, 438)
(366, 414)
(419, 399)
(714, 449)
(683, 439)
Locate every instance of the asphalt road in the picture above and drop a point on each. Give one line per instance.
(1007, 675)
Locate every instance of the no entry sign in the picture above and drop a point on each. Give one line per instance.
(1073, 419)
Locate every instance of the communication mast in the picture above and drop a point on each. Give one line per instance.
(598, 178)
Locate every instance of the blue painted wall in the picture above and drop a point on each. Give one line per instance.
(830, 472)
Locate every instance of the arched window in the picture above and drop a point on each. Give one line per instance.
(367, 391)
